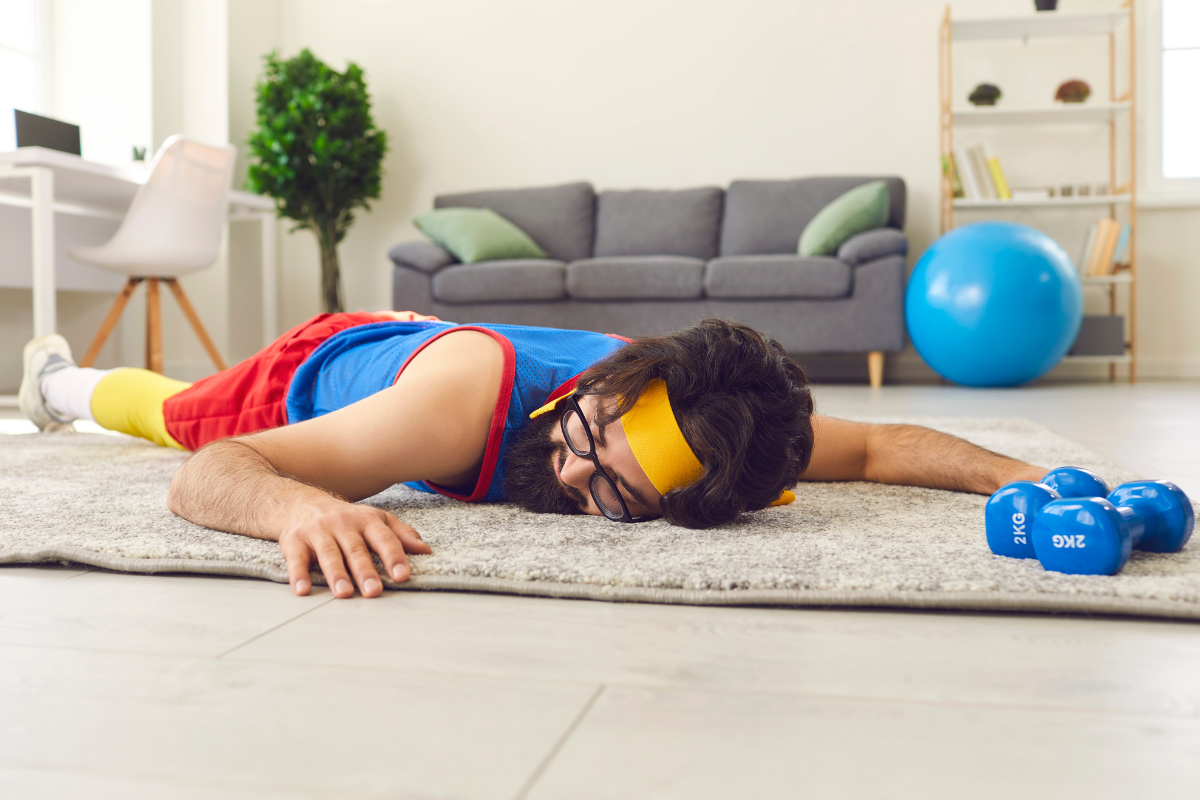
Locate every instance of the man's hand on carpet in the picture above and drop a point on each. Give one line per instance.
(341, 537)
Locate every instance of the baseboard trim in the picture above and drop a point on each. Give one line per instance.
(908, 368)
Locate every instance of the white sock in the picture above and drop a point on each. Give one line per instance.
(68, 391)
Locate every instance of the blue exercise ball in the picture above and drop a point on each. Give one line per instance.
(993, 304)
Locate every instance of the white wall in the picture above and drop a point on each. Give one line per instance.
(677, 93)
(624, 93)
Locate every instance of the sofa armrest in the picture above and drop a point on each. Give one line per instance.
(421, 256)
(868, 246)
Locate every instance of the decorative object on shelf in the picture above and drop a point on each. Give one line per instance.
(993, 304)
(1101, 189)
(317, 152)
(1045, 5)
(985, 94)
(1073, 91)
(139, 154)
(1066, 191)
(1084, 190)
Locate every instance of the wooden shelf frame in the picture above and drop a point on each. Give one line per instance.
(1122, 108)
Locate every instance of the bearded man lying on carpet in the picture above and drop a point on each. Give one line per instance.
(696, 427)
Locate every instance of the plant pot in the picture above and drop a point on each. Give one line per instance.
(1045, 5)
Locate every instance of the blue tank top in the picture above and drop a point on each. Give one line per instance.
(360, 361)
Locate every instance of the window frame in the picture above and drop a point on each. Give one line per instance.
(1155, 186)
(43, 58)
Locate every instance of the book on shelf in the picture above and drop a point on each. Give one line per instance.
(983, 177)
(970, 181)
(1121, 255)
(1103, 248)
(1082, 264)
(950, 170)
(1112, 231)
(996, 172)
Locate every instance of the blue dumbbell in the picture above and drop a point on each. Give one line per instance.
(1094, 536)
(1010, 512)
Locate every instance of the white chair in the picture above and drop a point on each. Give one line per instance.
(173, 227)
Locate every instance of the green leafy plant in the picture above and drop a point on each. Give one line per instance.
(317, 152)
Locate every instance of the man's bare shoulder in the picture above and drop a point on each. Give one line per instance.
(432, 424)
(467, 354)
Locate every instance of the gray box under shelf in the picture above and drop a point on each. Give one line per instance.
(1100, 336)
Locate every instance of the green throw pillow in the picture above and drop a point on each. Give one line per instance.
(863, 208)
(477, 234)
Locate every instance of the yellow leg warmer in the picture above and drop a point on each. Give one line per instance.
(131, 401)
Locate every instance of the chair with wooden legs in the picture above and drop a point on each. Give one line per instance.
(174, 226)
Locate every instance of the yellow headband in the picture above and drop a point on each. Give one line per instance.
(657, 443)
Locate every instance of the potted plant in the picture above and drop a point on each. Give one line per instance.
(317, 152)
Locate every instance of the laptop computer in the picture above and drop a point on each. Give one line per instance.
(35, 131)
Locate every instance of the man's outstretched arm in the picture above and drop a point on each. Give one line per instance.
(231, 486)
(296, 484)
(909, 455)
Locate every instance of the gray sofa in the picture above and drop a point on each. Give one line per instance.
(646, 262)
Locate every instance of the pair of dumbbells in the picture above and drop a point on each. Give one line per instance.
(1068, 524)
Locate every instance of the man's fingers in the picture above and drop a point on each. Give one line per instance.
(412, 541)
(329, 556)
(386, 543)
(358, 559)
(299, 559)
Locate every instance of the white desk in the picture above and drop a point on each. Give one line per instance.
(49, 182)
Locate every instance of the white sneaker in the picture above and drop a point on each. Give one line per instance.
(43, 356)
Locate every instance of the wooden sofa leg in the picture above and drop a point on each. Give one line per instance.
(875, 368)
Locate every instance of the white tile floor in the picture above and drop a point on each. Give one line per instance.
(132, 686)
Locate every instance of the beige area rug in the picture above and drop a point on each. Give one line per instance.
(100, 500)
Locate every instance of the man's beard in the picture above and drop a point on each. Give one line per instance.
(529, 478)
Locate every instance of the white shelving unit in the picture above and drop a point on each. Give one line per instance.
(1115, 111)
(1049, 202)
(1040, 115)
(1046, 23)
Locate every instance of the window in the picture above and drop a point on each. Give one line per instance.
(1181, 89)
(1172, 122)
(24, 60)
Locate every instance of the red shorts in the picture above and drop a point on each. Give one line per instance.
(252, 396)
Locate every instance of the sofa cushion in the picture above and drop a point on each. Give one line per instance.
(872, 245)
(559, 218)
(863, 208)
(500, 281)
(420, 255)
(769, 216)
(477, 234)
(636, 278)
(777, 276)
(641, 222)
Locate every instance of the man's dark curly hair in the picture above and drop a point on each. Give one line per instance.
(741, 402)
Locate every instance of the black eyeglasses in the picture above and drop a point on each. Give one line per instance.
(604, 490)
